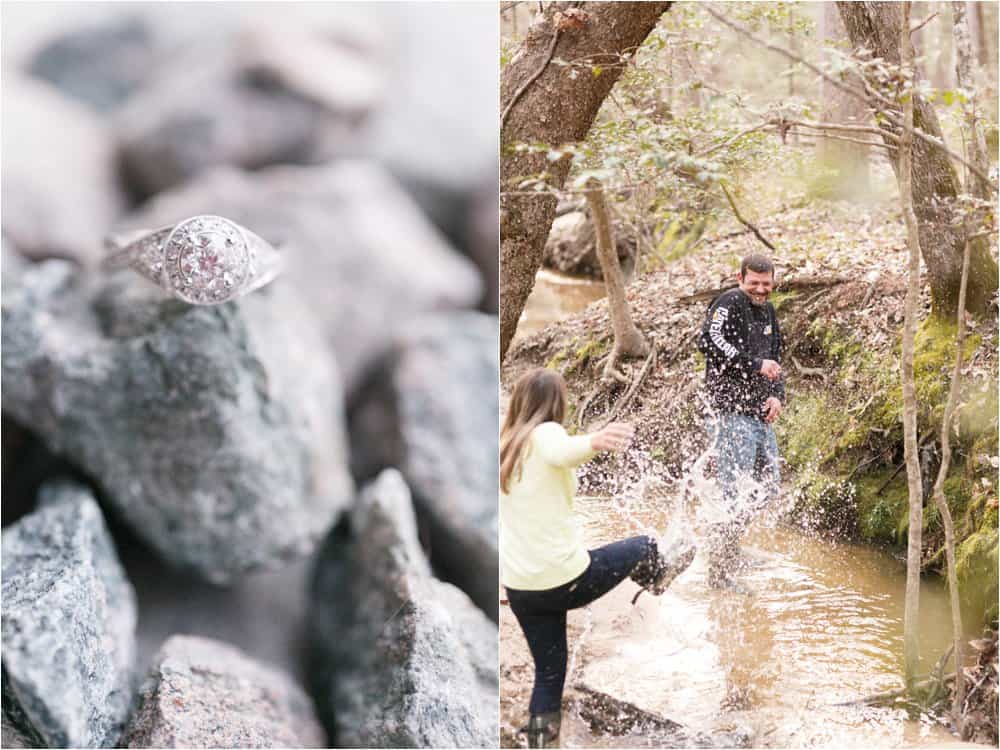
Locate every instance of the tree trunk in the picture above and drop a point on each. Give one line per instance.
(629, 342)
(849, 161)
(911, 645)
(942, 502)
(876, 26)
(558, 107)
(932, 44)
(965, 74)
(977, 27)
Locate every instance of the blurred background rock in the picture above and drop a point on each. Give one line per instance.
(362, 138)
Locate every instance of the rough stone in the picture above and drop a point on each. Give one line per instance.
(432, 412)
(58, 181)
(205, 693)
(483, 242)
(607, 715)
(359, 252)
(434, 130)
(69, 619)
(101, 65)
(13, 265)
(438, 125)
(27, 465)
(402, 659)
(262, 613)
(14, 737)
(250, 99)
(216, 432)
(572, 246)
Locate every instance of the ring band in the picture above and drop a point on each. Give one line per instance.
(204, 260)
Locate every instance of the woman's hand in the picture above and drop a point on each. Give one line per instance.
(615, 437)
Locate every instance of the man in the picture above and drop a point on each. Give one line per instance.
(742, 346)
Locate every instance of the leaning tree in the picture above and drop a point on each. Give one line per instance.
(552, 104)
(875, 27)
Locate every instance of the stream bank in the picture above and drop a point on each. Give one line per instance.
(841, 311)
(823, 628)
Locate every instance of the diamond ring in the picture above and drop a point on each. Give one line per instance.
(204, 260)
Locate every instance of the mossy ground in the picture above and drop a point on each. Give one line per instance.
(841, 433)
(843, 444)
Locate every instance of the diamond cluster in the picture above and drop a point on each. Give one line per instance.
(206, 260)
(146, 256)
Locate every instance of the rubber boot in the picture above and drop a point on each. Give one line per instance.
(672, 564)
(656, 575)
(543, 729)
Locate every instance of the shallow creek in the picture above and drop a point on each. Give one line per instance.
(554, 296)
(824, 625)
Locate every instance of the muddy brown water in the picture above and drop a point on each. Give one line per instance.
(554, 296)
(823, 627)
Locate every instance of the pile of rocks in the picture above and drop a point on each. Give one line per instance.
(186, 560)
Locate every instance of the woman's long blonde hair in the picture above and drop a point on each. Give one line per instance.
(539, 396)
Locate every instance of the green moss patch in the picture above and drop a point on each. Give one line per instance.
(843, 444)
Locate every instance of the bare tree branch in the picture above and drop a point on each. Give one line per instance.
(890, 107)
(732, 139)
(837, 126)
(744, 222)
(831, 136)
(923, 23)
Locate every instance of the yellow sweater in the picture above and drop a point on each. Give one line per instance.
(541, 544)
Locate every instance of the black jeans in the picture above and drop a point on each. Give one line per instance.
(542, 614)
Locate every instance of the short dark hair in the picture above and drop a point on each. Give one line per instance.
(757, 264)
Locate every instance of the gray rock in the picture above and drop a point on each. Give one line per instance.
(13, 265)
(432, 412)
(438, 124)
(14, 737)
(205, 693)
(402, 659)
(571, 246)
(262, 613)
(69, 620)
(101, 65)
(359, 251)
(483, 242)
(251, 99)
(216, 432)
(607, 715)
(436, 130)
(58, 182)
(27, 464)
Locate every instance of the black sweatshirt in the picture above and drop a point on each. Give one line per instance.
(736, 337)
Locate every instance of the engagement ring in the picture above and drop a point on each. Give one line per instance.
(204, 260)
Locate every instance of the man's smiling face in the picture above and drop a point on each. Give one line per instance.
(757, 286)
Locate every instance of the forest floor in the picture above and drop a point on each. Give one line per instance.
(840, 294)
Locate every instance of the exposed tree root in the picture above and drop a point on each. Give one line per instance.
(818, 372)
(610, 378)
(629, 394)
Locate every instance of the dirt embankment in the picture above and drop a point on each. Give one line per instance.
(840, 305)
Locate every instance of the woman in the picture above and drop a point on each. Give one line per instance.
(545, 566)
